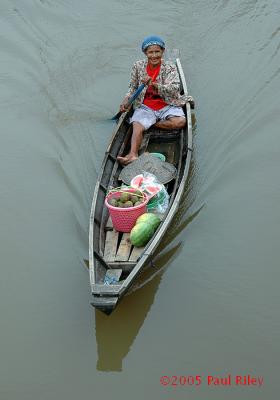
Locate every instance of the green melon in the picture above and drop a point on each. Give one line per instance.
(141, 233)
(149, 218)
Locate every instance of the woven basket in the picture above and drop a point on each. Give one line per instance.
(164, 171)
(124, 219)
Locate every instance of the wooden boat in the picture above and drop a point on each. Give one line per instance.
(112, 250)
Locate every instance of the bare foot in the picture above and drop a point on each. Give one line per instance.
(157, 124)
(171, 123)
(127, 159)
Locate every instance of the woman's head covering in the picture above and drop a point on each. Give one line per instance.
(151, 40)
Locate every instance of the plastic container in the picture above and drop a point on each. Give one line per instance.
(159, 155)
(124, 219)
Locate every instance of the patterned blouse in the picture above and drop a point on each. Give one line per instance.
(168, 83)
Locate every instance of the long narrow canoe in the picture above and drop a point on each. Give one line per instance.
(109, 249)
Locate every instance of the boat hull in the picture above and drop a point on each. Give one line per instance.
(109, 249)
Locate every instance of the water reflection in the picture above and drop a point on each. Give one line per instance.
(116, 333)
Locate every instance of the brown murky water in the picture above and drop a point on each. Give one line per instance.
(211, 305)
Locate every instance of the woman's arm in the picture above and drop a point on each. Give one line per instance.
(133, 84)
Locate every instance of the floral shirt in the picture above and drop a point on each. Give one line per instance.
(168, 83)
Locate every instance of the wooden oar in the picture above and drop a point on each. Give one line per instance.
(133, 97)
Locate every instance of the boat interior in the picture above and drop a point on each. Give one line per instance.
(113, 250)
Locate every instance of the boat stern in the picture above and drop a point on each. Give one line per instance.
(105, 304)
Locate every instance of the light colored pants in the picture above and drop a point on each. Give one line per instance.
(148, 117)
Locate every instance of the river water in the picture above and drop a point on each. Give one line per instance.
(211, 305)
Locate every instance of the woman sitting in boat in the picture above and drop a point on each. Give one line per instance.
(160, 103)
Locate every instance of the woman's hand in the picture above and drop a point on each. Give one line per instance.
(124, 105)
(147, 80)
(190, 99)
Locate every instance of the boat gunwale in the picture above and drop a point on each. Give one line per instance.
(94, 199)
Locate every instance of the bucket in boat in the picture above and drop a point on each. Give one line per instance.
(124, 219)
(159, 155)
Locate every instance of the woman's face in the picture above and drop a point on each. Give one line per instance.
(154, 54)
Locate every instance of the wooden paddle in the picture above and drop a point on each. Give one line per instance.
(133, 97)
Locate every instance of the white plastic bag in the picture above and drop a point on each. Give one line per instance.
(156, 191)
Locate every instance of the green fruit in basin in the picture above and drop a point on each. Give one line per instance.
(134, 198)
(128, 204)
(125, 196)
(141, 233)
(138, 193)
(113, 202)
(149, 218)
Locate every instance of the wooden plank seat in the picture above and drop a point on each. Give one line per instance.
(118, 250)
(111, 244)
(124, 249)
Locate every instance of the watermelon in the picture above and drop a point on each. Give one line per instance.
(149, 218)
(141, 233)
(137, 181)
(153, 189)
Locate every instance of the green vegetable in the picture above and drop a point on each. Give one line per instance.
(113, 202)
(125, 196)
(134, 198)
(149, 218)
(138, 193)
(141, 233)
(128, 204)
